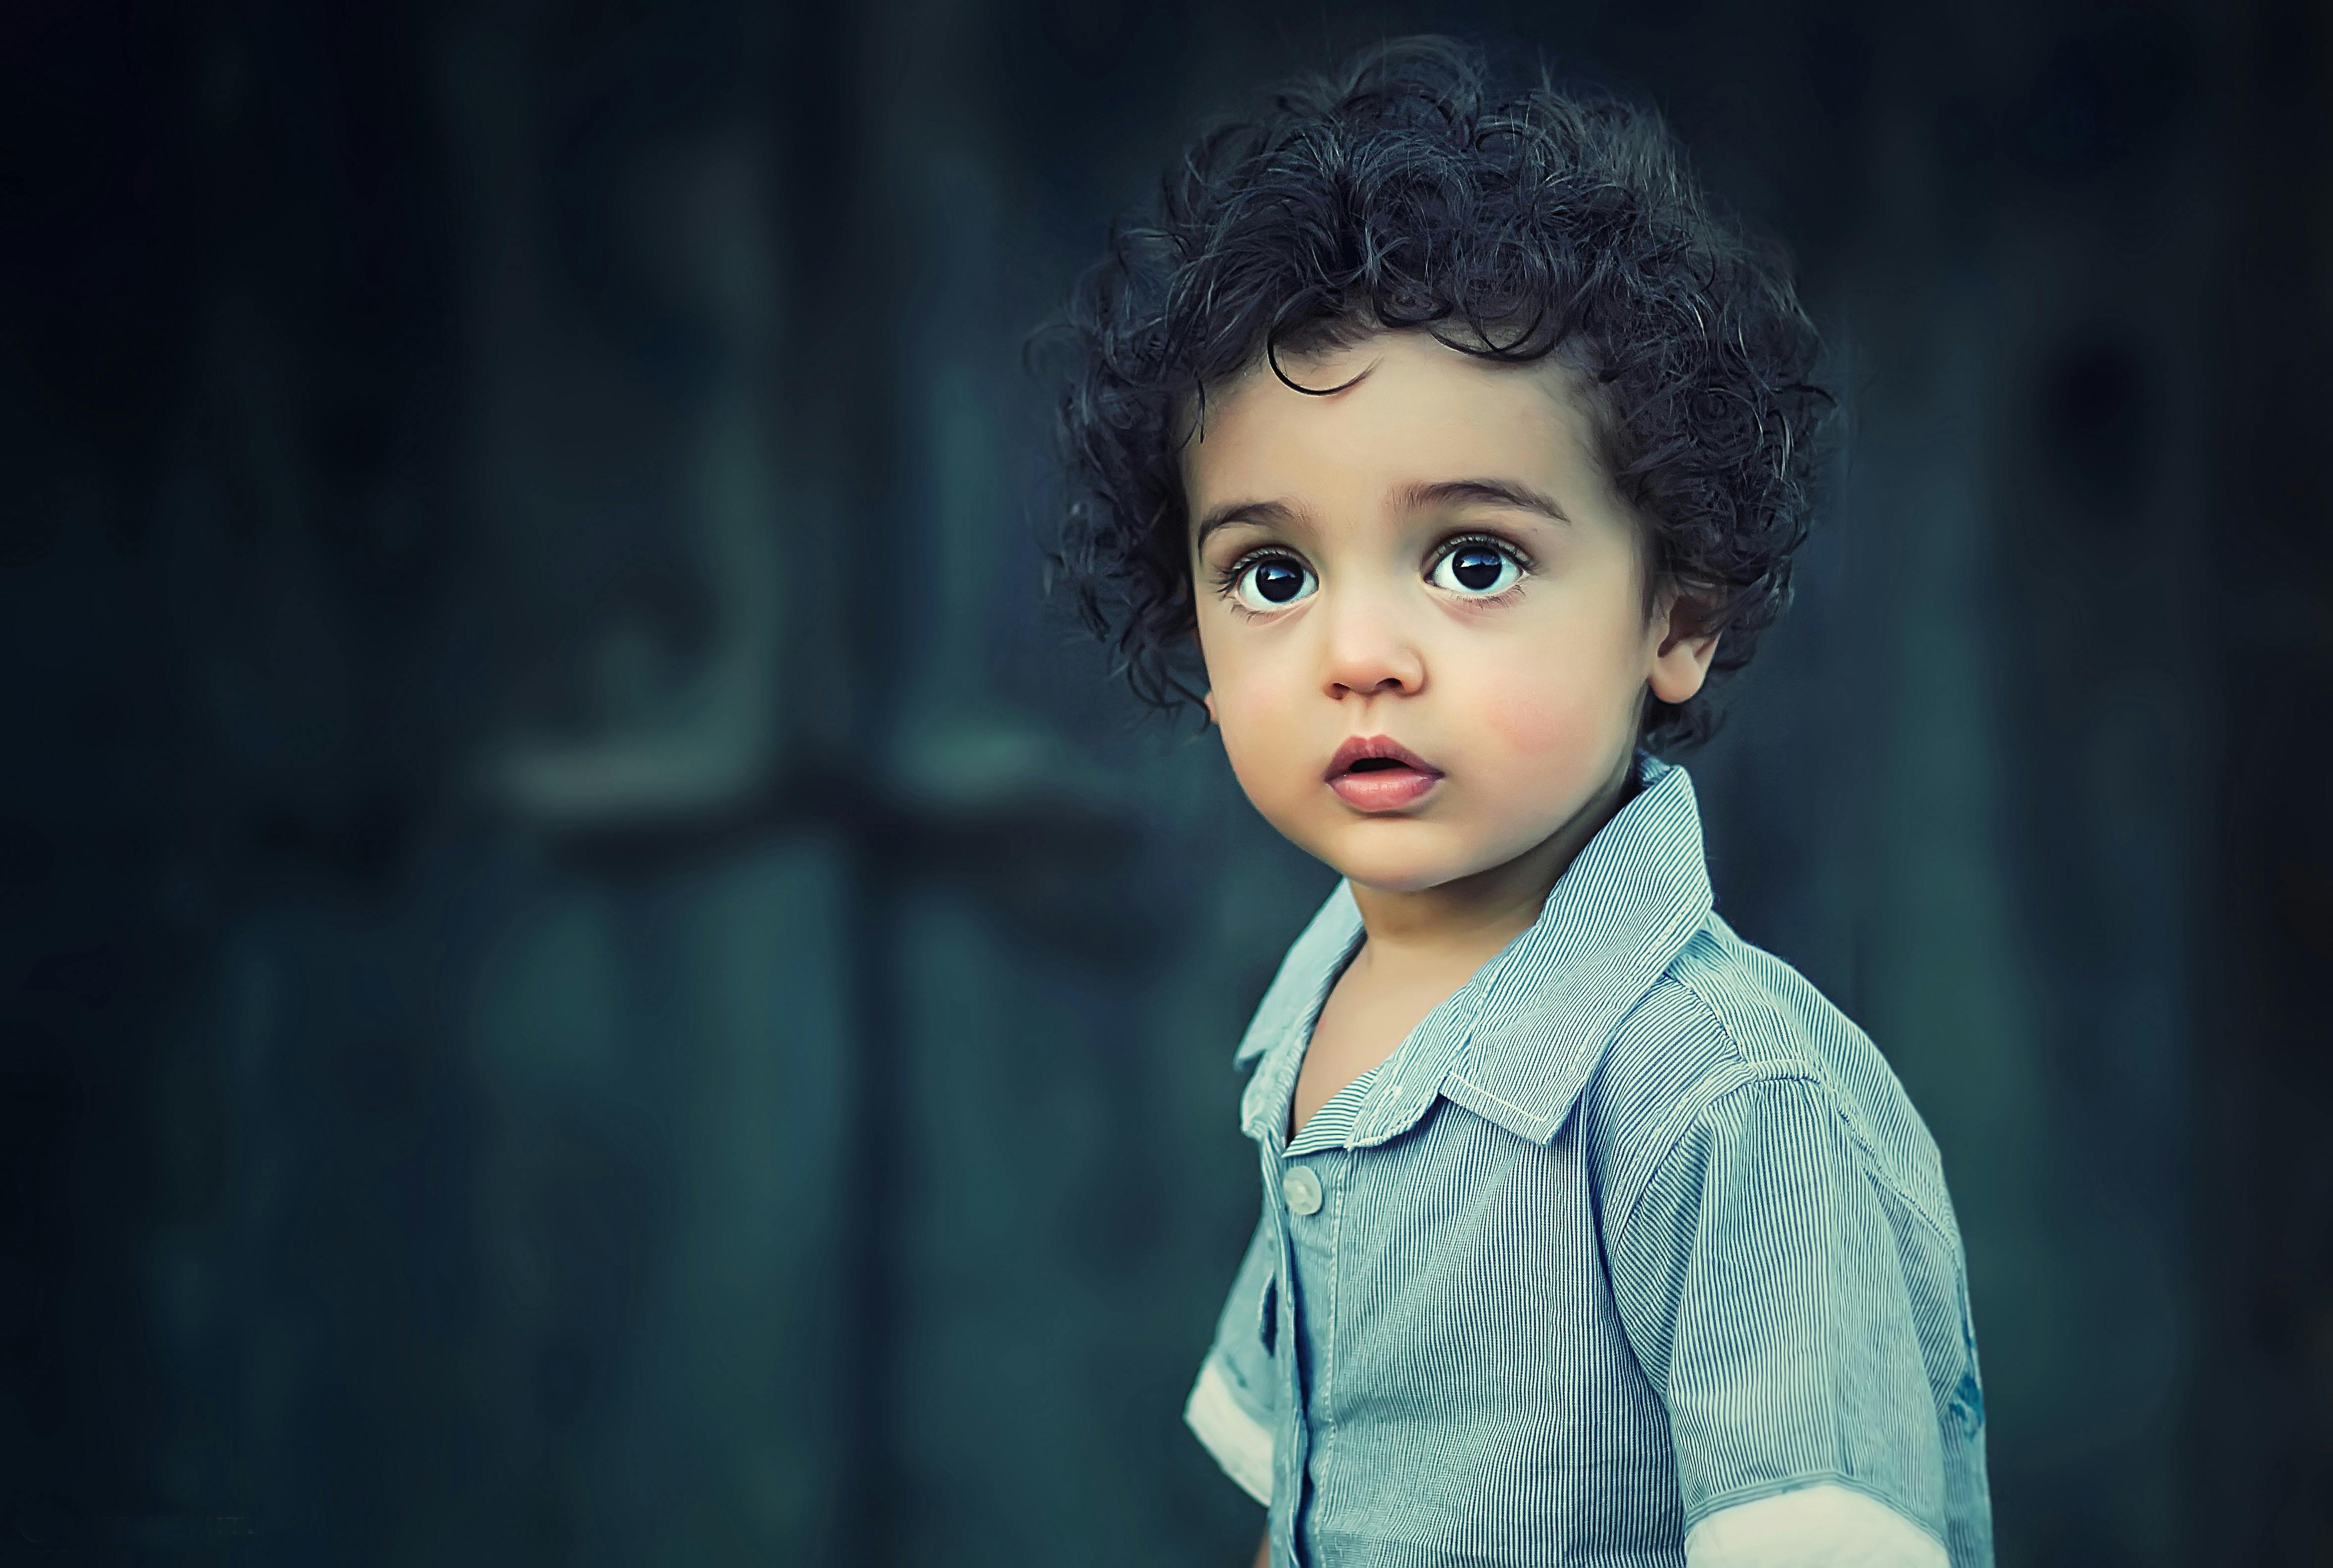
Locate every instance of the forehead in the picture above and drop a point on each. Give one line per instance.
(1404, 405)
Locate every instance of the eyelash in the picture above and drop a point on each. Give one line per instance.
(1524, 564)
(1226, 579)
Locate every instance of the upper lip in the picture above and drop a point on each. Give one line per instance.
(1361, 746)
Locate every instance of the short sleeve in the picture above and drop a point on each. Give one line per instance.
(1234, 1403)
(1762, 1281)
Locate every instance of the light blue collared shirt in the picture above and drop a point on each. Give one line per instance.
(1634, 1230)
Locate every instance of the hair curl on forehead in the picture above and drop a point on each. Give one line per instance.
(1406, 191)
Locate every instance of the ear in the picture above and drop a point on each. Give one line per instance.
(1207, 701)
(1682, 651)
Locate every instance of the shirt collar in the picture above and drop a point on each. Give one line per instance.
(1517, 1042)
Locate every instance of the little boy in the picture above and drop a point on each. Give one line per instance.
(1461, 445)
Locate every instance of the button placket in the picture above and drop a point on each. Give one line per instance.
(1290, 1442)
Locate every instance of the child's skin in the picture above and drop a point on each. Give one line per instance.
(1332, 606)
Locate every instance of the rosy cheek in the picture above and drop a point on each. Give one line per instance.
(1254, 714)
(1539, 725)
(1526, 696)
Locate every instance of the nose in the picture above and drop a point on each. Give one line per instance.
(1369, 651)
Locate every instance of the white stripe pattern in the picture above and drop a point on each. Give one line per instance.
(1633, 1253)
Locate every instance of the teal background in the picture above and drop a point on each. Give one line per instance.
(589, 973)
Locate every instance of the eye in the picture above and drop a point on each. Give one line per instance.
(1269, 582)
(1476, 569)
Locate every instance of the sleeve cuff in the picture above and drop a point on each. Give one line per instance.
(1822, 1526)
(1240, 1443)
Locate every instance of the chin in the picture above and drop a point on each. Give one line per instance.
(1396, 866)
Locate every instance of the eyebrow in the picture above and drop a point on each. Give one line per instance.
(1413, 498)
(1257, 514)
(1497, 491)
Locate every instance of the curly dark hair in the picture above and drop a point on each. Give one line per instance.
(1405, 190)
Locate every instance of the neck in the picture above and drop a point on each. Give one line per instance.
(1470, 918)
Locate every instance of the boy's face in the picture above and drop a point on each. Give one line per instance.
(1432, 557)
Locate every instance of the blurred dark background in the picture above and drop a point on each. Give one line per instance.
(590, 975)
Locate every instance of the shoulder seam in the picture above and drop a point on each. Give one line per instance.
(1743, 1075)
(1871, 1160)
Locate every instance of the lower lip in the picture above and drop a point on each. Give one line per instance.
(1384, 789)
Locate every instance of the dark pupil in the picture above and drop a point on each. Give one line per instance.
(1278, 582)
(1475, 568)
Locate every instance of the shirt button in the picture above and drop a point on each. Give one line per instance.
(1301, 1189)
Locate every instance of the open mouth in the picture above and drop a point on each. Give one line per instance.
(1377, 774)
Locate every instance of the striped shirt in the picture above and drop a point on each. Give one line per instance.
(1633, 1253)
